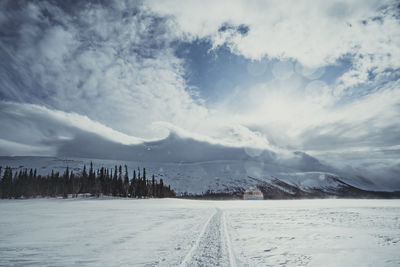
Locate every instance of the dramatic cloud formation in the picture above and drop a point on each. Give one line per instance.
(112, 63)
(319, 76)
(316, 34)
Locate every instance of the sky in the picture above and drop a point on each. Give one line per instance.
(321, 77)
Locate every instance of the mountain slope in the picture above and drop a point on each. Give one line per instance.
(195, 167)
(226, 176)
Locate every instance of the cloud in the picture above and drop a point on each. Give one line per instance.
(111, 62)
(320, 77)
(10, 148)
(312, 119)
(34, 129)
(316, 33)
(115, 62)
(58, 133)
(33, 126)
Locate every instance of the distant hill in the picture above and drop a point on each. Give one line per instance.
(223, 176)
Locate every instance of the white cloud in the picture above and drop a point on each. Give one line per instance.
(13, 149)
(318, 121)
(31, 126)
(110, 63)
(112, 70)
(315, 33)
(34, 125)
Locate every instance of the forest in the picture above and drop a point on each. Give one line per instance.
(103, 181)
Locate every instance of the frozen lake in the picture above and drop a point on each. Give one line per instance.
(173, 232)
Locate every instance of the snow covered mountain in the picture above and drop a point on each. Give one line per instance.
(196, 167)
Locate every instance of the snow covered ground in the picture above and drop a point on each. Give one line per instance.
(173, 232)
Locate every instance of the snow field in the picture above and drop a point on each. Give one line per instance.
(173, 232)
(112, 232)
(316, 232)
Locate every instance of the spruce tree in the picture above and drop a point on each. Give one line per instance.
(91, 180)
(65, 183)
(126, 182)
(26, 183)
(144, 183)
(84, 180)
(114, 184)
(161, 188)
(133, 185)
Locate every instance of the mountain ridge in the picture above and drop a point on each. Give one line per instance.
(224, 176)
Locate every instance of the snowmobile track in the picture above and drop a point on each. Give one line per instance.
(213, 246)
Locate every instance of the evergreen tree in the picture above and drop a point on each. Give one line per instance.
(65, 183)
(84, 186)
(6, 183)
(144, 183)
(153, 186)
(133, 185)
(91, 180)
(114, 182)
(126, 182)
(139, 185)
(26, 183)
(161, 188)
(76, 184)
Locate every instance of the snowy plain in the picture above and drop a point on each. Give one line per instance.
(176, 232)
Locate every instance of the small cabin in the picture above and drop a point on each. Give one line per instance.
(253, 193)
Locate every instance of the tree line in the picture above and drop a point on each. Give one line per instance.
(110, 182)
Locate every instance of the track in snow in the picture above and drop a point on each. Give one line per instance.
(213, 247)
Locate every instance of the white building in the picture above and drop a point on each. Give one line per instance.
(253, 193)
